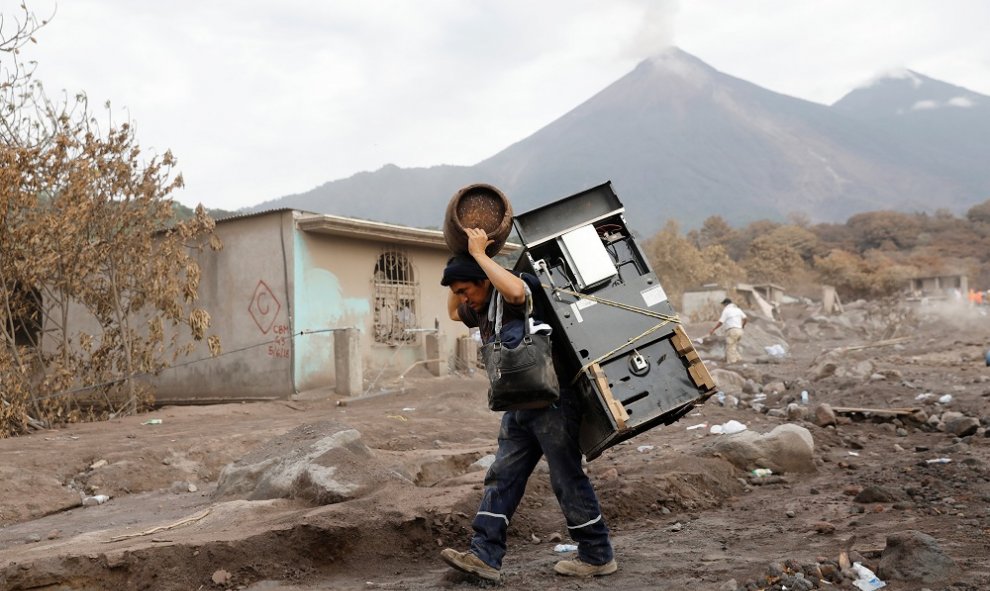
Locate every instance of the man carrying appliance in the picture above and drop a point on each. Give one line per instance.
(525, 435)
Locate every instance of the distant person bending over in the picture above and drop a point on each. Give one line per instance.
(525, 435)
(734, 320)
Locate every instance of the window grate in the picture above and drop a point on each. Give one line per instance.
(396, 294)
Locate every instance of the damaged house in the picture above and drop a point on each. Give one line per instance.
(288, 285)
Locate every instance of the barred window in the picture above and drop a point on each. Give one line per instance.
(396, 293)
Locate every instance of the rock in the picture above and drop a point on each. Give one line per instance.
(796, 582)
(951, 415)
(182, 486)
(95, 500)
(727, 380)
(823, 370)
(787, 448)
(796, 412)
(483, 463)
(961, 426)
(876, 494)
(859, 371)
(823, 415)
(823, 527)
(324, 463)
(610, 474)
(774, 387)
(892, 374)
(915, 556)
(830, 572)
(221, 577)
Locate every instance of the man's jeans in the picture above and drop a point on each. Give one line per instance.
(525, 436)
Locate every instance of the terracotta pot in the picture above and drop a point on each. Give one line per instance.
(478, 206)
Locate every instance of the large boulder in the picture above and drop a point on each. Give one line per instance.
(915, 556)
(324, 463)
(787, 448)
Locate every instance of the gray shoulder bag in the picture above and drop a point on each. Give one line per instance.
(522, 377)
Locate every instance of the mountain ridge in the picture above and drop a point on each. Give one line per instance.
(680, 139)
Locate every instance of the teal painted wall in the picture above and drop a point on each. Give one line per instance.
(321, 304)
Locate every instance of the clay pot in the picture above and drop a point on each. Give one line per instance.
(478, 206)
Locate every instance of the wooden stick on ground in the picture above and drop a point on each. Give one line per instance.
(883, 343)
(876, 411)
(154, 530)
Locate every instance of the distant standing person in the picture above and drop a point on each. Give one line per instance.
(734, 320)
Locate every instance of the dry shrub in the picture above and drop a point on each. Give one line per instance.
(769, 261)
(93, 267)
(872, 276)
(680, 265)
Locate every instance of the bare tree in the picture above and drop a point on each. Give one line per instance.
(98, 282)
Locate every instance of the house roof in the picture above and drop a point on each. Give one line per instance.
(341, 226)
(335, 225)
(319, 223)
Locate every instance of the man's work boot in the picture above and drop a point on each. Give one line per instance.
(580, 568)
(469, 563)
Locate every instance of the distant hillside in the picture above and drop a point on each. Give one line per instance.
(681, 140)
(944, 128)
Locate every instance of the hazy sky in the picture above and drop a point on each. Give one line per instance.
(261, 99)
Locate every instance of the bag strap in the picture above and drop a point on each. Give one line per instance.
(495, 307)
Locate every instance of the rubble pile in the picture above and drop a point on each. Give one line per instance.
(867, 320)
(908, 556)
(794, 400)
